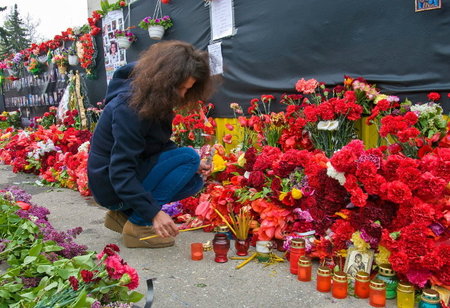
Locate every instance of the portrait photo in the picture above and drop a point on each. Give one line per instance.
(358, 261)
(425, 5)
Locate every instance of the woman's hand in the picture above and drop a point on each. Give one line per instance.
(204, 168)
(164, 225)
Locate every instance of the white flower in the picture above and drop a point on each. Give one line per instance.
(328, 125)
(84, 147)
(334, 174)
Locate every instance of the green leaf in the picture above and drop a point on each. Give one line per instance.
(54, 284)
(48, 269)
(36, 249)
(134, 296)
(64, 273)
(50, 248)
(29, 259)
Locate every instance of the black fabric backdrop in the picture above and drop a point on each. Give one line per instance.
(278, 42)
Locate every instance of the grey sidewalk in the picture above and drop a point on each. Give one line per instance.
(181, 282)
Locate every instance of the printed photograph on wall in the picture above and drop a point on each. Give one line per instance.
(425, 5)
(114, 57)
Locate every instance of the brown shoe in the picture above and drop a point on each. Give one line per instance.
(132, 233)
(114, 220)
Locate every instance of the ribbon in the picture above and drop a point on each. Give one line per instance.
(150, 295)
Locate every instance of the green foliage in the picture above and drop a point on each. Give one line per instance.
(16, 35)
(22, 246)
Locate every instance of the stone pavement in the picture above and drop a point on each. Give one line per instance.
(181, 282)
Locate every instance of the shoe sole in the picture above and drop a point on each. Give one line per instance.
(133, 242)
(113, 224)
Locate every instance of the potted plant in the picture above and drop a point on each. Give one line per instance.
(72, 55)
(157, 24)
(62, 62)
(124, 38)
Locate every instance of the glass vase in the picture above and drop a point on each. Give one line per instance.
(242, 247)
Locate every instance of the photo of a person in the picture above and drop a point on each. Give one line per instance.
(114, 52)
(358, 261)
(109, 28)
(114, 25)
(120, 23)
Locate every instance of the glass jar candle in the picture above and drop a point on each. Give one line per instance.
(263, 249)
(242, 247)
(323, 279)
(304, 268)
(430, 299)
(377, 293)
(221, 245)
(339, 289)
(296, 251)
(387, 274)
(362, 281)
(196, 251)
(405, 295)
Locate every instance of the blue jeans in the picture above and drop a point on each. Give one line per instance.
(174, 177)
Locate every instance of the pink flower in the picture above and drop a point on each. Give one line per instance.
(306, 86)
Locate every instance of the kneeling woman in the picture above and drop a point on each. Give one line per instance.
(133, 167)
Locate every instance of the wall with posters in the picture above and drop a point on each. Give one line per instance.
(274, 44)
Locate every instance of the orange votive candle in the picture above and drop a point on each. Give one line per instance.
(323, 279)
(297, 250)
(377, 293)
(339, 288)
(362, 281)
(304, 268)
(196, 251)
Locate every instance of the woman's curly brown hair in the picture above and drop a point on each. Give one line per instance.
(160, 72)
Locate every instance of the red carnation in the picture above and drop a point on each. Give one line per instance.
(73, 282)
(396, 191)
(434, 96)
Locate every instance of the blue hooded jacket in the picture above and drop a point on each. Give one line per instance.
(123, 150)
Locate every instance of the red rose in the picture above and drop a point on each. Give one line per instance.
(256, 179)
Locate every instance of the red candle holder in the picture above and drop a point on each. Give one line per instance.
(196, 251)
(323, 279)
(242, 247)
(221, 245)
(297, 250)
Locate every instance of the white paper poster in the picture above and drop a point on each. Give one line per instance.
(222, 20)
(114, 57)
(215, 58)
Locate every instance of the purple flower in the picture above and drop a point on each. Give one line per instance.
(437, 228)
(171, 209)
(166, 18)
(146, 19)
(157, 20)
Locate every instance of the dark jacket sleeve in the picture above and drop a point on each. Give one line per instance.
(126, 151)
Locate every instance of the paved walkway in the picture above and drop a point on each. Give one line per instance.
(181, 282)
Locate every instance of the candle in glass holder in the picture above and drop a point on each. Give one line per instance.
(296, 251)
(430, 299)
(221, 245)
(323, 279)
(387, 274)
(362, 281)
(377, 293)
(196, 251)
(304, 268)
(405, 295)
(339, 288)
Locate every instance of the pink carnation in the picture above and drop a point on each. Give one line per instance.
(306, 86)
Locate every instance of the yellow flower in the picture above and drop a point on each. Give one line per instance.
(282, 196)
(379, 98)
(218, 163)
(241, 160)
(383, 255)
(296, 193)
(359, 243)
(342, 215)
